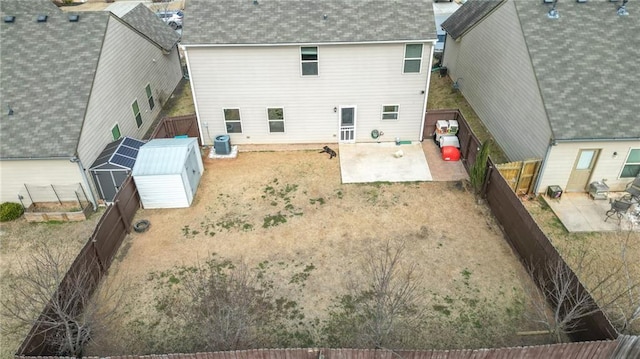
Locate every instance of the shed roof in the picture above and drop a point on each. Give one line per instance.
(303, 21)
(585, 63)
(163, 156)
(120, 154)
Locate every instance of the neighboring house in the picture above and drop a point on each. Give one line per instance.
(73, 82)
(309, 71)
(562, 90)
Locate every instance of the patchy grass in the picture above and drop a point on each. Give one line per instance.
(599, 253)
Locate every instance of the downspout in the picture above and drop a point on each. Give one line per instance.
(85, 179)
(195, 99)
(426, 92)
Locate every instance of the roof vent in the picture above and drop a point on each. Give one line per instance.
(74, 18)
(41, 18)
(255, 2)
(581, 0)
(9, 18)
(622, 10)
(325, 16)
(553, 13)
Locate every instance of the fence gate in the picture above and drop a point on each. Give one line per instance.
(520, 175)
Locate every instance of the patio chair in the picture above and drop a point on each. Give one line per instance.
(619, 208)
(633, 191)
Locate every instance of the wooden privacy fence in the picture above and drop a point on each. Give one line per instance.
(90, 265)
(520, 175)
(521, 231)
(170, 127)
(590, 350)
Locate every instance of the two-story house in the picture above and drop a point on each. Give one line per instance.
(72, 82)
(309, 71)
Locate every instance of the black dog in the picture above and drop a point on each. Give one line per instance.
(331, 152)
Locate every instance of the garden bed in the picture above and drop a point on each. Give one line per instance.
(57, 211)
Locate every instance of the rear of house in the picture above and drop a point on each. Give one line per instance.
(555, 89)
(270, 72)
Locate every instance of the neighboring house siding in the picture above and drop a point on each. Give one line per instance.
(450, 56)
(498, 81)
(127, 64)
(255, 78)
(14, 174)
(562, 158)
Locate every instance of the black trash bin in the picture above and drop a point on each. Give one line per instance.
(443, 71)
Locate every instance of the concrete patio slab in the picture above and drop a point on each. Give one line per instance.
(578, 212)
(440, 169)
(383, 162)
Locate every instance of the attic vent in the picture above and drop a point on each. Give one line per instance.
(41, 18)
(9, 18)
(74, 18)
(581, 0)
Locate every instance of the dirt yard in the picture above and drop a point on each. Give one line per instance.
(290, 207)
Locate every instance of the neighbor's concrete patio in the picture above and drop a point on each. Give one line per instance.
(579, 213)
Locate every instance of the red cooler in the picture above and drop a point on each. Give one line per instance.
(450, 153)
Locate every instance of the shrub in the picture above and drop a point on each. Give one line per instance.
(10, 211)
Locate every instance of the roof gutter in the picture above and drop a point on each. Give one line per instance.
(37, 158)
(312, 43)
(616, 139)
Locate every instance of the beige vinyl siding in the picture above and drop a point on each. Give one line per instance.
(14, 174)
(498, 81)
(255, 78)
(128, 63)
(562, 158)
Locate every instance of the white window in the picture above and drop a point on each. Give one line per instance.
(232, 120)
(276, 119)
(390, 112)
(309, 60)
(152, 103)
(412, 58)
(631, 167)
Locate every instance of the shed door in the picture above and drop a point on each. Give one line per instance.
(193, 171)
(582, 169)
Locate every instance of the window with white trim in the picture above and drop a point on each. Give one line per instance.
(412, 58)
(631, 167)
(276, 119)
(232, 120)
(152, 104)
(136, 113)
(390, 112)
(309, 60)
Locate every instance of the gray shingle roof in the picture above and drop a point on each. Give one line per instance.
(151, 26)
(463, 19)
(587, 66)
(46, 74)
(301, 21)
(585, 62)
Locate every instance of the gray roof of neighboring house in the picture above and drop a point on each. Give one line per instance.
(585, 62)
(151, 26)
(46, 74)
(468, 15)
(47, 71)
(302, 21)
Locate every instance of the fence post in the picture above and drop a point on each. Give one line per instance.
(125, 221)
(487, 177)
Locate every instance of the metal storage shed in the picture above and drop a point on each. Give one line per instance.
(113, 166)
(167, 172)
